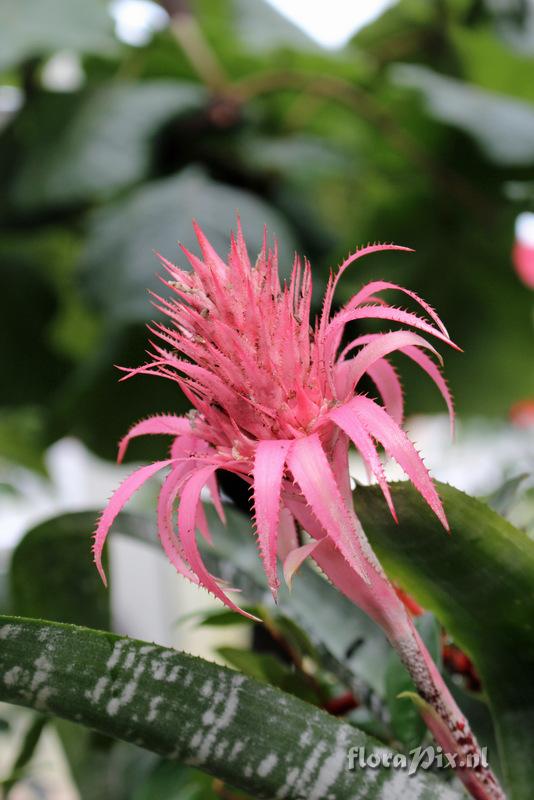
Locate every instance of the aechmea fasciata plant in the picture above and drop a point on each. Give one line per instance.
(276, 402)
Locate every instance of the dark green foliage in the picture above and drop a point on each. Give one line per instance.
(398, 137)
(52, 575)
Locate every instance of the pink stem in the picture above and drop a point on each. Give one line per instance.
(380, 601)
(448, 725)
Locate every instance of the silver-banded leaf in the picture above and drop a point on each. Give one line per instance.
(184, 708)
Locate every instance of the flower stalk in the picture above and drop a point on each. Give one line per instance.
(444, 719)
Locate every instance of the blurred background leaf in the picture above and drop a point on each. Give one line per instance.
(51, 576)
(75, 148)
(36, 28)
(156, 217)
(503, 126)
(413, 132)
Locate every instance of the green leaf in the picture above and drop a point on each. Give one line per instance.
(27, 749)
(31, 28)
(157, 216)
(478, 582)
(266, 668)
(491, 63)
(52, 574)
(171, 781)
(246, 733)
(503, 126)
(221, 618)
(96, 143)
(21, 437)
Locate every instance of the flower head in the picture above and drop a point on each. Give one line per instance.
(276, 401)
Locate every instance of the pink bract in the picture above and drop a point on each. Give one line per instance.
(276, 402)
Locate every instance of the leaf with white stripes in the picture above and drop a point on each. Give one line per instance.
(248, 734)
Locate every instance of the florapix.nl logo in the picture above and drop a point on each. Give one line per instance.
(420, 758)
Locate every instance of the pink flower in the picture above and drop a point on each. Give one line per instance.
(523, 249)
(276, 401)
(522, 413)
(523, 258)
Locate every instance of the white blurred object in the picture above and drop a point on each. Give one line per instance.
(523, 248)
(136, 21)
(11, 101)
(48, 775)
(524, 228)
(331, 24)
(78, 480)
(483, 455)
(150, 602)
(63, 72)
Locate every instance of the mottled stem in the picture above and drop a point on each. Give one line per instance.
(439, 710)
(380, 601)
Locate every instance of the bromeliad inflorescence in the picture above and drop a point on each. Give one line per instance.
(276, 402)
